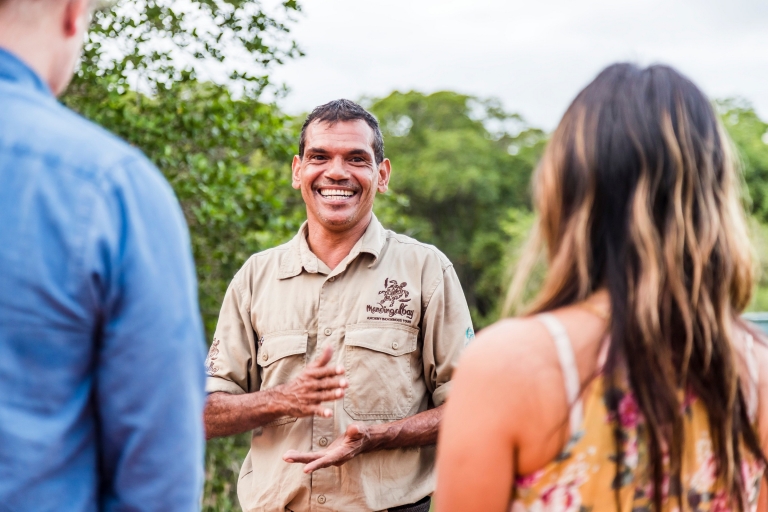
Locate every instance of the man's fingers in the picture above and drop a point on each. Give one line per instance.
(321, 463)
(323, 372)
(324, 359)
(332, 383)
(295, 456)
(329, 395)
(313, 460)
(354, 431)
(321, 411)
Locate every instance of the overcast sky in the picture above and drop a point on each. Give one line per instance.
(534, 55)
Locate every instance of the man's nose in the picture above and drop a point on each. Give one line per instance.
(336, 170)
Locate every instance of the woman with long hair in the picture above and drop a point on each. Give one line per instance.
(630, 382)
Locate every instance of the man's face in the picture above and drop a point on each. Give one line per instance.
(338, 176)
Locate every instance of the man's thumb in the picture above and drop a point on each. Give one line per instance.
(325, 357)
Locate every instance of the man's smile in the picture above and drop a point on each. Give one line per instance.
(336, 194)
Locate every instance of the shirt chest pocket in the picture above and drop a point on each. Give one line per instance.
(281, 356)
(379, 370)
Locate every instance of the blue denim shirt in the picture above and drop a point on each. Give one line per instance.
(101, 344)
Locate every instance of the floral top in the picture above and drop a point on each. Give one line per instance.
(583, 478)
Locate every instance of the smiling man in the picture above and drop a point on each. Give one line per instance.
(336, 349)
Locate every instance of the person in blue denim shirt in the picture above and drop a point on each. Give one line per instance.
(101, 343)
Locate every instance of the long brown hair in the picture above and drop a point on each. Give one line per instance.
(637, 193)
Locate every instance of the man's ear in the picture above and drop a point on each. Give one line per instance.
(296, 172)
(77, 15)
(385, 171)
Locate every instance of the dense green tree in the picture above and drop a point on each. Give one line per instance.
(184, 81)
(750, 136)
(465, 165)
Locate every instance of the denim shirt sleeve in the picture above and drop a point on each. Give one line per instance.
(149, 363)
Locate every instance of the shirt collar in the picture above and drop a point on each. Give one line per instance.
(13, 69)
(299, 256)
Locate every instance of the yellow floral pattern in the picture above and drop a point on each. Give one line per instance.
(584, 477)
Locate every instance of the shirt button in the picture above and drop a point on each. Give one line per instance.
(332, 279)
(264, 356)
(327, 331)
(395, 345)
(321, 499)
(323, 441)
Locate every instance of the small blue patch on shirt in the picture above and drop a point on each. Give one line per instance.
(470, 334)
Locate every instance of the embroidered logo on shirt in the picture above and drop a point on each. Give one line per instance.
(213, 353)
(470, 334)
(394, 304)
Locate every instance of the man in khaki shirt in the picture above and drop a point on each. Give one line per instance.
(336, 349)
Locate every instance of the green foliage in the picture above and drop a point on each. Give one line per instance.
(224, 151)
(750, 136)
(154, 43)
(220, 155)
(224, 458)
(463, 164)
(184, 81)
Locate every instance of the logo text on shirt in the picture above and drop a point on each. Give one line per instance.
(394, 304)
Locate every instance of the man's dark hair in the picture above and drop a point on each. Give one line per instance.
(344, 110)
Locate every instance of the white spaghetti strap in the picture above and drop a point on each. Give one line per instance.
(568, 365)
(752, 369)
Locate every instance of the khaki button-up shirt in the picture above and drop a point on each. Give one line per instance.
(396, 317)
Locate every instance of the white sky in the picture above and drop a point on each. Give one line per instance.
(534, 55)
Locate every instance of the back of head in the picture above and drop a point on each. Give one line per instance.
(637, 194)
(47, 35)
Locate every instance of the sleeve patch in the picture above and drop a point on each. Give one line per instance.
(210, 361)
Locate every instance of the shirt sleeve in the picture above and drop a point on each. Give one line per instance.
(149, 376)
(446, 329)
(230, 364)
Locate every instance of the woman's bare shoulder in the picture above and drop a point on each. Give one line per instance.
(511, 350)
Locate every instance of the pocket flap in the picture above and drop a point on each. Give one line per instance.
(281, 344)
(394, 340)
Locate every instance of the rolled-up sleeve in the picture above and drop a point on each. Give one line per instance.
(446, 329)
(230, 363)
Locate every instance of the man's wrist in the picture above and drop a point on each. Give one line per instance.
(275, 402)
(377, 437)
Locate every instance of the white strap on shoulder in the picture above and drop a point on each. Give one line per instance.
(568, 365)
(752, 370)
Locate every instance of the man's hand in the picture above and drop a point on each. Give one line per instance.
(344, 448)
(227, 414)
(417, 430)
(316, 384)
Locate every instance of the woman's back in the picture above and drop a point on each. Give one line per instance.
(586, 474)
(554, 440)
(639, 217)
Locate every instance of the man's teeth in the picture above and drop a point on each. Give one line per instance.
(335, 193)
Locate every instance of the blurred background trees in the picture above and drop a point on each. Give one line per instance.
(750, 137)
(188, 83)
(184, 81)
(464, 164)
